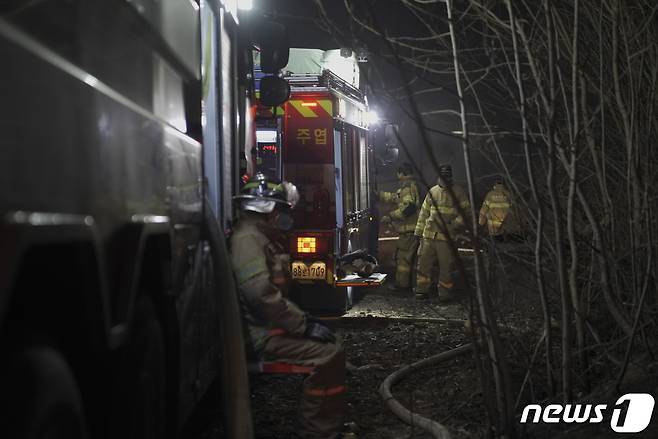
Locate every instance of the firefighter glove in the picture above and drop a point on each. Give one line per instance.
(319, 332)
(386, 219)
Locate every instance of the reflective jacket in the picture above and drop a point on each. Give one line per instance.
(408, 202)
(259, 264)
(438, 200)
(497, 212)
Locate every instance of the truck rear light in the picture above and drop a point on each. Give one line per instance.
(315, 245)
(306, 244)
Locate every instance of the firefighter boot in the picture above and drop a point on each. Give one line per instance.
(420, 294)
(321, 415)
(350, 430)
(407, 247)
(323, 398)
(426, 261)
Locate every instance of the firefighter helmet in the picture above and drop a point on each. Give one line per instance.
(260, 194)
(405, 169)
(445, 171)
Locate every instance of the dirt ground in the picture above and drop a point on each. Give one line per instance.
(380, 337)
(386, 330)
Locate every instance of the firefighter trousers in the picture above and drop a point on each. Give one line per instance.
(431, 252)
(405, 253)
(322, 403)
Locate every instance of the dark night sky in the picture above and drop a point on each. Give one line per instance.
(302, 18)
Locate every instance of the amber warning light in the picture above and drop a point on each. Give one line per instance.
(309, 104)
(306, 244)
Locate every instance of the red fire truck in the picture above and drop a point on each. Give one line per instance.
(318, 141)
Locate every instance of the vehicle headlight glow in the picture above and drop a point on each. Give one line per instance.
(372, 117)
(245, 5)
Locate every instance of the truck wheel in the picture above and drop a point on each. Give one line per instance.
(138, 408)
(40, 397)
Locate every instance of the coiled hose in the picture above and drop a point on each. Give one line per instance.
(437, 430)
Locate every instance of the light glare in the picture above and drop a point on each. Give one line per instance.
(372, 117)
(245, 5)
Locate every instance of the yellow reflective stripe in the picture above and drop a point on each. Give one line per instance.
(496, 222)
(389, 196)
(254, 184)
(327, 105)
(250, 270)
(304, 111)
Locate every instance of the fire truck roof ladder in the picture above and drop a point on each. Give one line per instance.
(328, 80)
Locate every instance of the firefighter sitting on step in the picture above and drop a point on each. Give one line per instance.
(404, 219)
(277, 329)
(499, 214)
(438, 220)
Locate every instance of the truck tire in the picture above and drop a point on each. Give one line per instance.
(40, 397)
(138, 407)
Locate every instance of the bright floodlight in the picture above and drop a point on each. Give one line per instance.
(245, 5)
(372, 117)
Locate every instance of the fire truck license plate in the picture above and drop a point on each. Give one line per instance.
(301, 270)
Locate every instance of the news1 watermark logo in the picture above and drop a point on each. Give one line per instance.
(630, 414)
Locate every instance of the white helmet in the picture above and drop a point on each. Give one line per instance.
(261, 195)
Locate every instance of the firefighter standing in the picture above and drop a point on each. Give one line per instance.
(277, 328)
(498, 212)
(404, 218)
(438, 220)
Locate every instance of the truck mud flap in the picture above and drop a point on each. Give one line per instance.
(353, 280)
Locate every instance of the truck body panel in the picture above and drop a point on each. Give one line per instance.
(119, 123)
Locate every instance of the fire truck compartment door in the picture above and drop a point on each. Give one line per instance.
(353, 280)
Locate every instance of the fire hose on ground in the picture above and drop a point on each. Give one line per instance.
(434, 428)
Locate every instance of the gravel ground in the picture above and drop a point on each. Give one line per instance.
(383, 332)
(386, 330)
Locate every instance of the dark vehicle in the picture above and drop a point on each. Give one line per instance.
(318, 140)
(122, 125)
